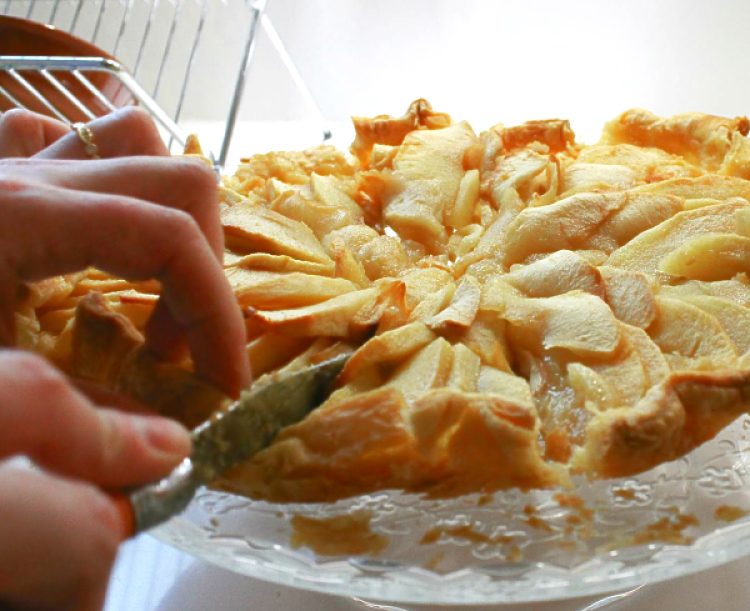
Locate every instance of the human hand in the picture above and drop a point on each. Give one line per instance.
(127, 132)
(58, 532)
(136, 217)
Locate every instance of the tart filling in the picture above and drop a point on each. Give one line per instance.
(518, 306)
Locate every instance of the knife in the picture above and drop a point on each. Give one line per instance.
(227, 438)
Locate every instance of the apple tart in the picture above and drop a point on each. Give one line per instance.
(519, 307)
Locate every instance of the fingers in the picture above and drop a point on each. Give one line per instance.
(59, 537)
(24, 133)
(126, 132)
(45, 418)
(183, 183)
(178, 182)
(59, 540)
(73, 230)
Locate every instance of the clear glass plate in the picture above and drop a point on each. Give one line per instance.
(657, 526)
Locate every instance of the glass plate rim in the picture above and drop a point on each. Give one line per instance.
(714, 475)
(373, 586)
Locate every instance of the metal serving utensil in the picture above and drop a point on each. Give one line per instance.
(227, 438)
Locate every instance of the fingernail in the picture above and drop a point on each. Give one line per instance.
(166, 435)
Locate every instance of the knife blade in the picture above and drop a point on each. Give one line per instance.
(250, 424)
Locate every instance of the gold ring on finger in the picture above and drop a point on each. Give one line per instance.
(87, 138)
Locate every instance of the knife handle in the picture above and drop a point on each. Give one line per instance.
(127, 513)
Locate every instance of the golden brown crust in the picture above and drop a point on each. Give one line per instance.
(109, 350)
(193, 146)
(450, 443)
(684, 411)
(554, 134)
(101, 341)
(169, 389)
(391, 131)
(703, 140)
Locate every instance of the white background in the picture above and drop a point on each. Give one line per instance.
(492, 62)
(484, 61)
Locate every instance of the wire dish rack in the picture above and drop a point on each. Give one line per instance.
(160, 44)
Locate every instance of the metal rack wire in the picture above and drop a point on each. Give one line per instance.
(143, 34)
(19, 67)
